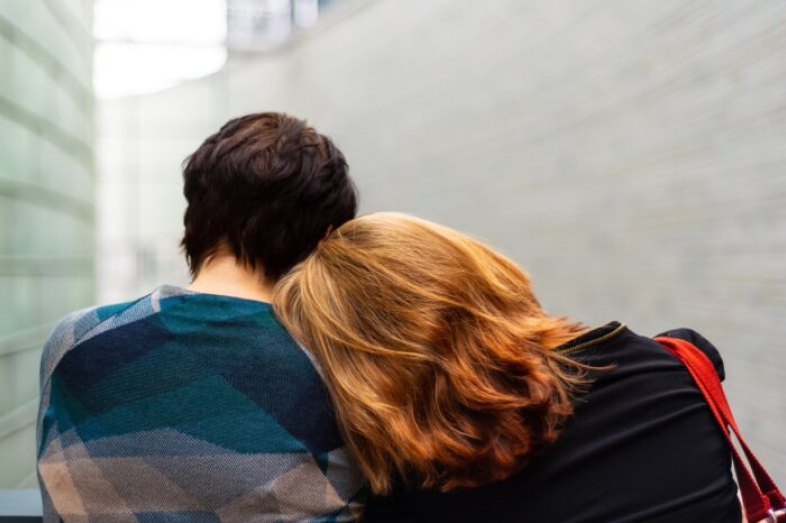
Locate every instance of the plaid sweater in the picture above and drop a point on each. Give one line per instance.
(187, 407)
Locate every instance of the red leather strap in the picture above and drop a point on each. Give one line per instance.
(759, 492)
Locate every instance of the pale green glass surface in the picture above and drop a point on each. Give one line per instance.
(25, 313)
(68, 112)
(6, 53)
(15, 149)
(19, 376)
(19, 12)
(65, 174)
(28, 84)
(17, 453)
(7, 319)
(5, 232)
(47, 225)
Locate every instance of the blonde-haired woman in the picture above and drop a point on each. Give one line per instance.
(462, 400)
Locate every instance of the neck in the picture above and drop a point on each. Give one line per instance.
(223, 274)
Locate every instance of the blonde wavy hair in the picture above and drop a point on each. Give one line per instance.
(435, 350)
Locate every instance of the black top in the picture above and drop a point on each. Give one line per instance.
(642, 446)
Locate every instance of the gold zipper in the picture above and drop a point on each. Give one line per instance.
(590, 343)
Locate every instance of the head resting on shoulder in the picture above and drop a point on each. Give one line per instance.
(435, 349)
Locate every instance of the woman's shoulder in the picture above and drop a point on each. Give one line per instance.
(612, 343)
(700, 342)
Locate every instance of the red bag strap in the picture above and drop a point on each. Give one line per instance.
(760, 494)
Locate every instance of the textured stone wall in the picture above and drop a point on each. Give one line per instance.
(46, 201)
(630, 154)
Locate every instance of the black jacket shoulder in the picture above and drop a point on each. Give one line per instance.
(701, 343)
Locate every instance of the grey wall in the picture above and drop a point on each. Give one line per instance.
(46, 201)
(141, 143)
(630, 154)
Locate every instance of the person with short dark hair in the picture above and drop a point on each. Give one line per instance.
(194, 404)
(266, 189)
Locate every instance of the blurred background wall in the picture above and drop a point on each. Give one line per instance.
(630, 154)
(47, 218)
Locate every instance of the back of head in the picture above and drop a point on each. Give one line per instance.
(436, 351)
(266, 187)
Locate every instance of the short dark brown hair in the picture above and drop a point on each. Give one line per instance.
(268, 187)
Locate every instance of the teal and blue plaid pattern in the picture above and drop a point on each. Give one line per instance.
(187, 407)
